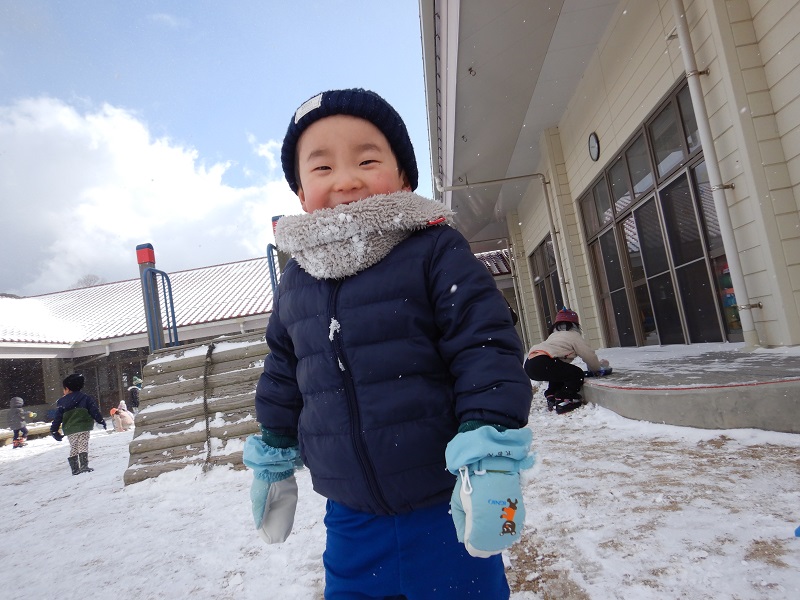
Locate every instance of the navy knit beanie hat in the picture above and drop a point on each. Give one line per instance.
(74, 382)
(357, 103)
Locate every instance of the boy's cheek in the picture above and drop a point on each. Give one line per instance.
(302, 197)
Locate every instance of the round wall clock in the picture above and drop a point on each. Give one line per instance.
(594, 146)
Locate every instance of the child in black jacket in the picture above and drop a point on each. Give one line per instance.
(76, 414)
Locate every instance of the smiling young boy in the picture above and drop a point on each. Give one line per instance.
(394, 373)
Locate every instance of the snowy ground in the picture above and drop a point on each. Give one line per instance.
(616, 509)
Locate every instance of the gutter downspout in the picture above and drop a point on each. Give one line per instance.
(751, 340)
(559, 267)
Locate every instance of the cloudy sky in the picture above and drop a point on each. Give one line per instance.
(160, 121)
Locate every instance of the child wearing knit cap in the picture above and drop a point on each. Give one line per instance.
(394, 373)
(551, 361)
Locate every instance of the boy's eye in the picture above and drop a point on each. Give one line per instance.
(369, 161)
(321, 168)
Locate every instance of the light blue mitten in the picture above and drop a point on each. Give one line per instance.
(273, 492)
(486, 504)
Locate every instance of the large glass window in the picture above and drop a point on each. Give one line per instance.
(709, 211)
(611, 261)
(548, 290)
(665, 307)
(689, 121)
(681, 221)
(666, 317)
(634, 248)
(602, 203)
(648, 224)
(646, 317)
(688, 255)
(619, 309)
(603, 295)
(716, 250)
(670, 283)
(666, 138)
(699, 304)
(590, 222)
(620, 190)
(639, 165)
(643, 313)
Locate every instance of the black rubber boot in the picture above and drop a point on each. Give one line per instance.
(73, 463)
(568, 405)
(83, 461)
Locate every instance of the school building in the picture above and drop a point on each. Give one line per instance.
(639, 159)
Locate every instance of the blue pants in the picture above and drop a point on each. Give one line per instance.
(415, 556)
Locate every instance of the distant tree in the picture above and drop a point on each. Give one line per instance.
(88, 281)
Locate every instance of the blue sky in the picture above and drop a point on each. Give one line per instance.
(124, 122)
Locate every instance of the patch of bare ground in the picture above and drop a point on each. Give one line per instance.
(532, 571)
(767, 551)
(717, 442)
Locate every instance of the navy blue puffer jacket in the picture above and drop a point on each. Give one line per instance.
(76, 412)
(374, 373)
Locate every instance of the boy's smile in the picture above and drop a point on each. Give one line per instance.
(342, 159)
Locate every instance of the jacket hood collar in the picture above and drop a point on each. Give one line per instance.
(333, 243)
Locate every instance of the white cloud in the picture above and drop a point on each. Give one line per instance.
(80, 190)
(165, 19)
(270, 151)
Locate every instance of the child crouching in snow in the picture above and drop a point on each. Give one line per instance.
(122, 417)
(394, 373)
(551, 361)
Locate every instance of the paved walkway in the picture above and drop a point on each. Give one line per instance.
(710, 386)
(703, 365)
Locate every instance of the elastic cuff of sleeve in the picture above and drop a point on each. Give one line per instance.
(477, 424)
(277, 440)
(271, 477)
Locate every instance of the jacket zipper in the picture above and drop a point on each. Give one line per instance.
(367, 468)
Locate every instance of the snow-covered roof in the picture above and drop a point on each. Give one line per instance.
(497, 261)
(112, 310)
(115, 311)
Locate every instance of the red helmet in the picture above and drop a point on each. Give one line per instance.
(566, 315)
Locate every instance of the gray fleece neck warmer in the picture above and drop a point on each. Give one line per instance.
(333, 243)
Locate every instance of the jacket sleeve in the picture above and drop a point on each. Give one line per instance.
(478, 341)
(278, 398)
(589, 356)
(56, 424)
(94, 410)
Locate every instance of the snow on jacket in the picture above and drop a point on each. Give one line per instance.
(375, 369)
(17, 416)
(76, 412)
(566, 346)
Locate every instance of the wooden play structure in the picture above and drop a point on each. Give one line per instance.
(196, 405)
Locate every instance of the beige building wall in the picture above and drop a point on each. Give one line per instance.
(523, 282)
(527, 224)
(752, 51)
(765, 215)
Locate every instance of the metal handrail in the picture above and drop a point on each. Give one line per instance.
(148, 280)
(273, 272)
